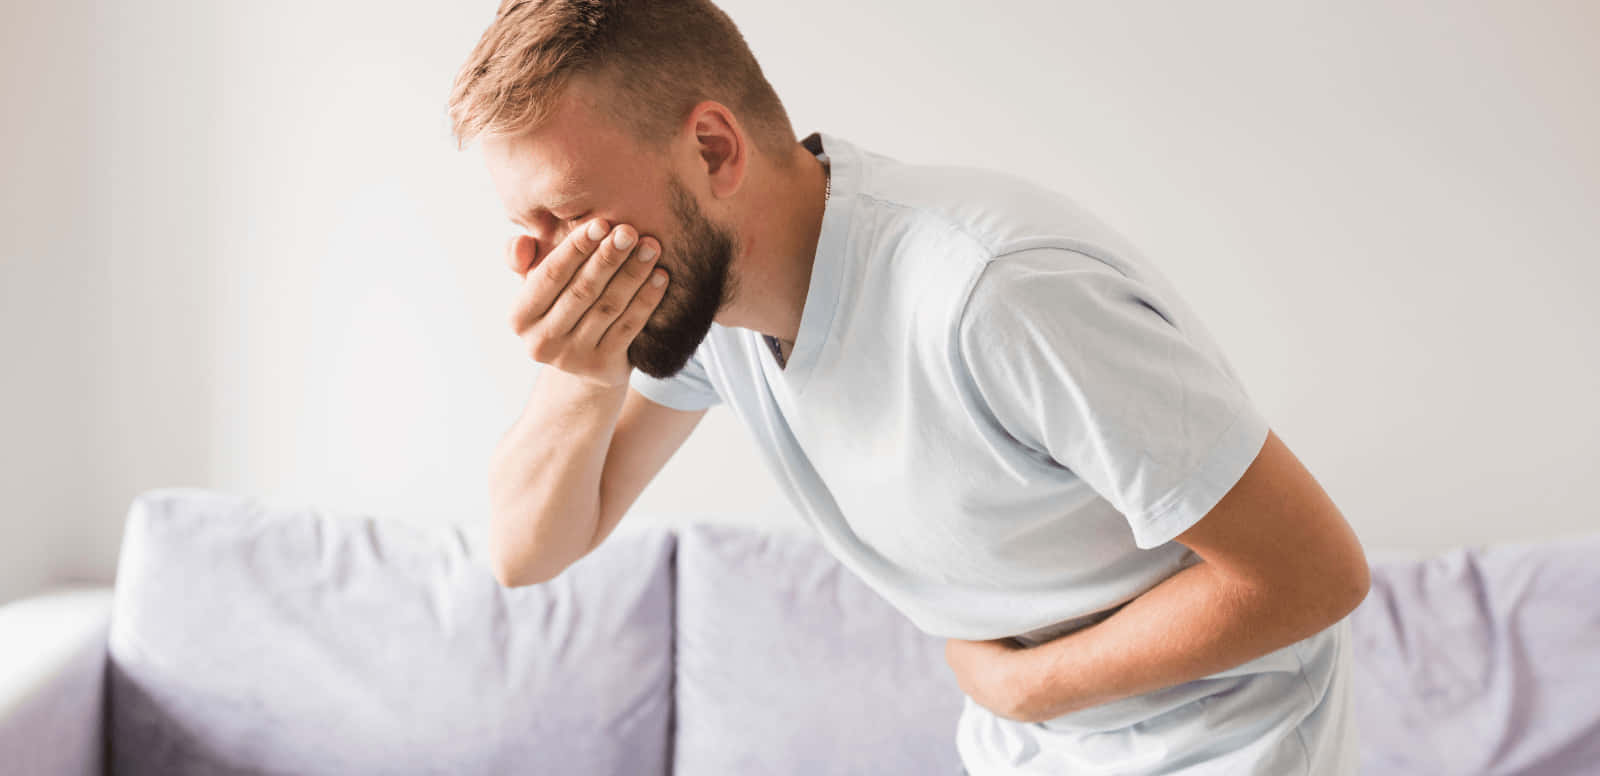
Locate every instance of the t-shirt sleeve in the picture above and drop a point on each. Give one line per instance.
(689, 389)
(1090, 366)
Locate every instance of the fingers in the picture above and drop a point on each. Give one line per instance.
(544, 284)
(589, 282)
(621, 287)
(627, 326)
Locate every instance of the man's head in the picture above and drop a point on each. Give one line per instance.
(644, 112)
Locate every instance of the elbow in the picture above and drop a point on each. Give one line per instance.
(508, 576)
(1360, 577)
(1322, 600)
(1360, 585)
(513, 574)
(511, 571)
(518, 561)
(1357, 583)
(509, 561)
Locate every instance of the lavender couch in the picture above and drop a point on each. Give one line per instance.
(242, 638)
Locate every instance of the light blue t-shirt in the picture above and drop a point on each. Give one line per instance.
(998, 414)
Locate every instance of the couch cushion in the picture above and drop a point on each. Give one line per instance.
(789, 664)
(1482, 660)
(249, 638)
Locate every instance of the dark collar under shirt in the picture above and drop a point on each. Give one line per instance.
(777, 349)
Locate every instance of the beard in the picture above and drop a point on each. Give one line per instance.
(698, 287)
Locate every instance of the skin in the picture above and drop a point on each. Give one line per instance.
(737, 227)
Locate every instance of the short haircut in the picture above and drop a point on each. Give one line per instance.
(656, 58)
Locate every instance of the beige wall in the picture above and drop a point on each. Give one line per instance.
(241, 251)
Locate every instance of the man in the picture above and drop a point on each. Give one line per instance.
(990, 406)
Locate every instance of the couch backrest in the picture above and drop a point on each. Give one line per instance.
(249, 638)
(789, 664)
(1481, 660)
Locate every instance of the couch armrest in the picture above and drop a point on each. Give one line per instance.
(52, 682)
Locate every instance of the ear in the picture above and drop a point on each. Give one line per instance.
(722, 146)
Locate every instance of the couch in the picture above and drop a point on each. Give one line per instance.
(241, 637)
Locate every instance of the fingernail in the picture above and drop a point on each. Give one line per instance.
(647, 251)
(657, 278)
(597, 230)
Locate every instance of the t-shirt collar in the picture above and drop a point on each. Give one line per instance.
(828, 267)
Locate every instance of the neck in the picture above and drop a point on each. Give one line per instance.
(777, 247)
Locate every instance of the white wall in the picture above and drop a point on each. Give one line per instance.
(241, 250)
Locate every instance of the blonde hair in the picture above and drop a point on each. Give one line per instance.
(658, 59)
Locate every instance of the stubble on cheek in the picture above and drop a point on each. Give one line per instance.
(699, 285)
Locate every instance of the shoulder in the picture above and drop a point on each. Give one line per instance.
(988, 250)
(997, 212)
(984, 236)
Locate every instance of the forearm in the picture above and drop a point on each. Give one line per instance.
(1193, 624)
(544, 479)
